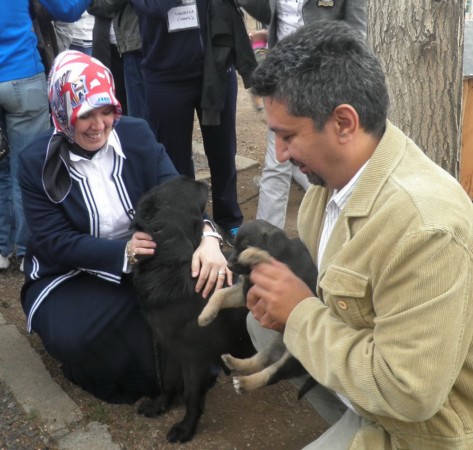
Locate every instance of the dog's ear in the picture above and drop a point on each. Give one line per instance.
(202, 194)
(275, 241)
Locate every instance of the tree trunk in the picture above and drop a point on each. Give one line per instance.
(420, 44)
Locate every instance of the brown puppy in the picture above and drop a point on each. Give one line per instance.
(256, 242)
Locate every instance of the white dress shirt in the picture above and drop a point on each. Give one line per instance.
(334, 207)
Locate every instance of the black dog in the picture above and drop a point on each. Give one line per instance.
(188, 354)
(255, 242)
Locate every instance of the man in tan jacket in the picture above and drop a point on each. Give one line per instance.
(389, 332)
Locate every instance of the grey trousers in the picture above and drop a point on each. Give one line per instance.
(344, 423)
(275, 185)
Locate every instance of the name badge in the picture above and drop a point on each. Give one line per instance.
(327, 3)
(183, 17)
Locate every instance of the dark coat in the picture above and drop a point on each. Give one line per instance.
(64, 240)
(227, 44)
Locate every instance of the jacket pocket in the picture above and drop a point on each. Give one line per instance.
(347, 293)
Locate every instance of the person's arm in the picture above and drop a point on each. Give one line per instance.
(106, 8)
(258, 9)
(64, 34)
(356, 15)
(406, 365)
(66, 10)
(209, 264)
(155, 8)
(57, 240)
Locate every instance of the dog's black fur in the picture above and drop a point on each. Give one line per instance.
(255, 242)
(188, 354)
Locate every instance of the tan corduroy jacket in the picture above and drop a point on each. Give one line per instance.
(393, 332)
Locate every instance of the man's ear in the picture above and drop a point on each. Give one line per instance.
(346, 122)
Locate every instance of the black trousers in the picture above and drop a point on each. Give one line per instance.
(96, 329)
(171, 108)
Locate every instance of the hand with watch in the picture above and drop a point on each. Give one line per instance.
(208, 262)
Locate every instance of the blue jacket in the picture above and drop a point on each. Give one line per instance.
(64, 239)
(19, 57)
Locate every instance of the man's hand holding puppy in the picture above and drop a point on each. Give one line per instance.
(276, 292)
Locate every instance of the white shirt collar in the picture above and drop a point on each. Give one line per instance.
(340, 197)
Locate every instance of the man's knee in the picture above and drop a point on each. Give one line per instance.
(261, 337)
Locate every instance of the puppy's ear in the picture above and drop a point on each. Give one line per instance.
(275, 241)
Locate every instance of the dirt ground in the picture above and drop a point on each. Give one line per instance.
(271, 418)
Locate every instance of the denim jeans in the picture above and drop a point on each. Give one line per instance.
(135, 89)
(81, 48)
(24, 112)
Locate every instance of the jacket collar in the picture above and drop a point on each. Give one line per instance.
(381, 165)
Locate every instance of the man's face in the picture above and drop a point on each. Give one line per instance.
(298, 141)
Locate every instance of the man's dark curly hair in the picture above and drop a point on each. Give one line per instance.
(321, 66)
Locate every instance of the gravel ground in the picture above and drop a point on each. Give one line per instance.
(271, 418)
(18, 430)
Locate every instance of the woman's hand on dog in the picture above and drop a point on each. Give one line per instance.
(141, 244)
(276, 291)
(209, 264)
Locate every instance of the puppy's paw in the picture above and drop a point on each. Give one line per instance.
(208, 315)
(248, 383)
(239, 385)
(216, 302)
(252, 256)
(229, 361)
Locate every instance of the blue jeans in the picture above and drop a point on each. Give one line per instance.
(80, 48)
(134, 85)
(24, 112)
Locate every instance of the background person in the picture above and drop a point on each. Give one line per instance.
(23, 107)
(392, 235)
(80, 183)
(176, 60)
(284, 17)
(82, 34)
(127, 32)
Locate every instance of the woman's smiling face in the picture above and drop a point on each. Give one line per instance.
(91, 131)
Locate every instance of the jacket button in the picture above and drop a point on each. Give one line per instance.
(342, 304)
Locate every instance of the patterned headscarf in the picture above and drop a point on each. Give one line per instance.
(77, 84)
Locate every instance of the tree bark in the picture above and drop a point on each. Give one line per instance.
(420, 44)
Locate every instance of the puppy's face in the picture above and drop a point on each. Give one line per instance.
(259, 234)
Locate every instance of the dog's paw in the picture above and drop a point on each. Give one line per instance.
(248, 383)
(207, 316)
(229, 361)
(151, 408)
(252, 256)
(181, 432)
(238, 386)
